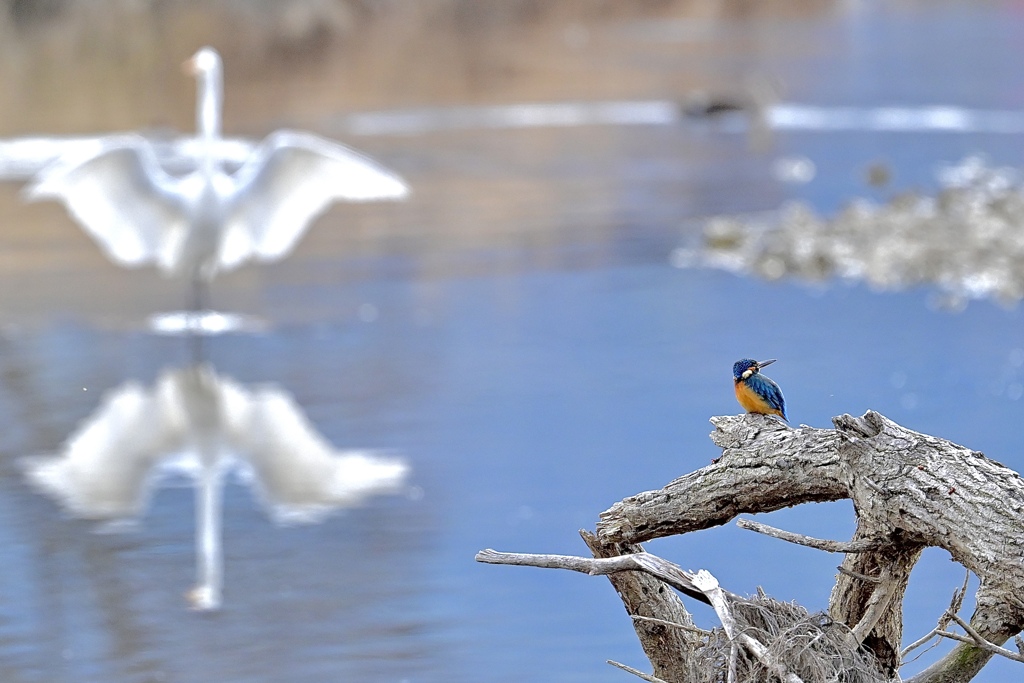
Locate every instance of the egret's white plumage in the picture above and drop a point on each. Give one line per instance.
(208, 220)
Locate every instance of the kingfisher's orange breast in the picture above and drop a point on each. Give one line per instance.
(751, 402)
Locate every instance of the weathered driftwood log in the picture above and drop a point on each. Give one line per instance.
(909, 491)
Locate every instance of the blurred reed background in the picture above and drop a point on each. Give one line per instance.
(304, 59)
(82, 68)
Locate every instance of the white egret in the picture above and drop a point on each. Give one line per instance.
(209, 219)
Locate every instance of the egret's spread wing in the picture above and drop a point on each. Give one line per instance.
(299, 474)
(122, 198)
(289, 180)
(103, 469)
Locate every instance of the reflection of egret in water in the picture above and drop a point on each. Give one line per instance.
(208, 220)
(206, 426)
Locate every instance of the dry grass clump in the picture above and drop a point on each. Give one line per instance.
(810, 645)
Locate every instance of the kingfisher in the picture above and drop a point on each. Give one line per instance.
(755, 392)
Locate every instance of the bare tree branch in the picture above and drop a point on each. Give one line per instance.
(918, 643)
(977, 639)
(585, 565)
(764, 466)
(647, 677)
(653, 565)
(816, 543)
(955, 604)
(860, 577)
(958, 599)
(670, 624)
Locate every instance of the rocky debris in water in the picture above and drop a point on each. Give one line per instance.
(968, 241)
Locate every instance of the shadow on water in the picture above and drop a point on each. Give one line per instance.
(516, 332)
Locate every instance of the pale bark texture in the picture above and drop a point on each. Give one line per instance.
(909, 491)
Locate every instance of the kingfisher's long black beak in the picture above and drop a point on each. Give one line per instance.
(762, 363)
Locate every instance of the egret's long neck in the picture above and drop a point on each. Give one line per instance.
(210, 95)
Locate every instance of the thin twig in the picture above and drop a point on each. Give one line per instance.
(956, 603)
(957, 636)
(919, 642)
(922, 653)
(954, 608)
(977, 639)
(662, 569)
(809, 541)
(671, 624)
(647, 677)
(862, 577)
(586, 565)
